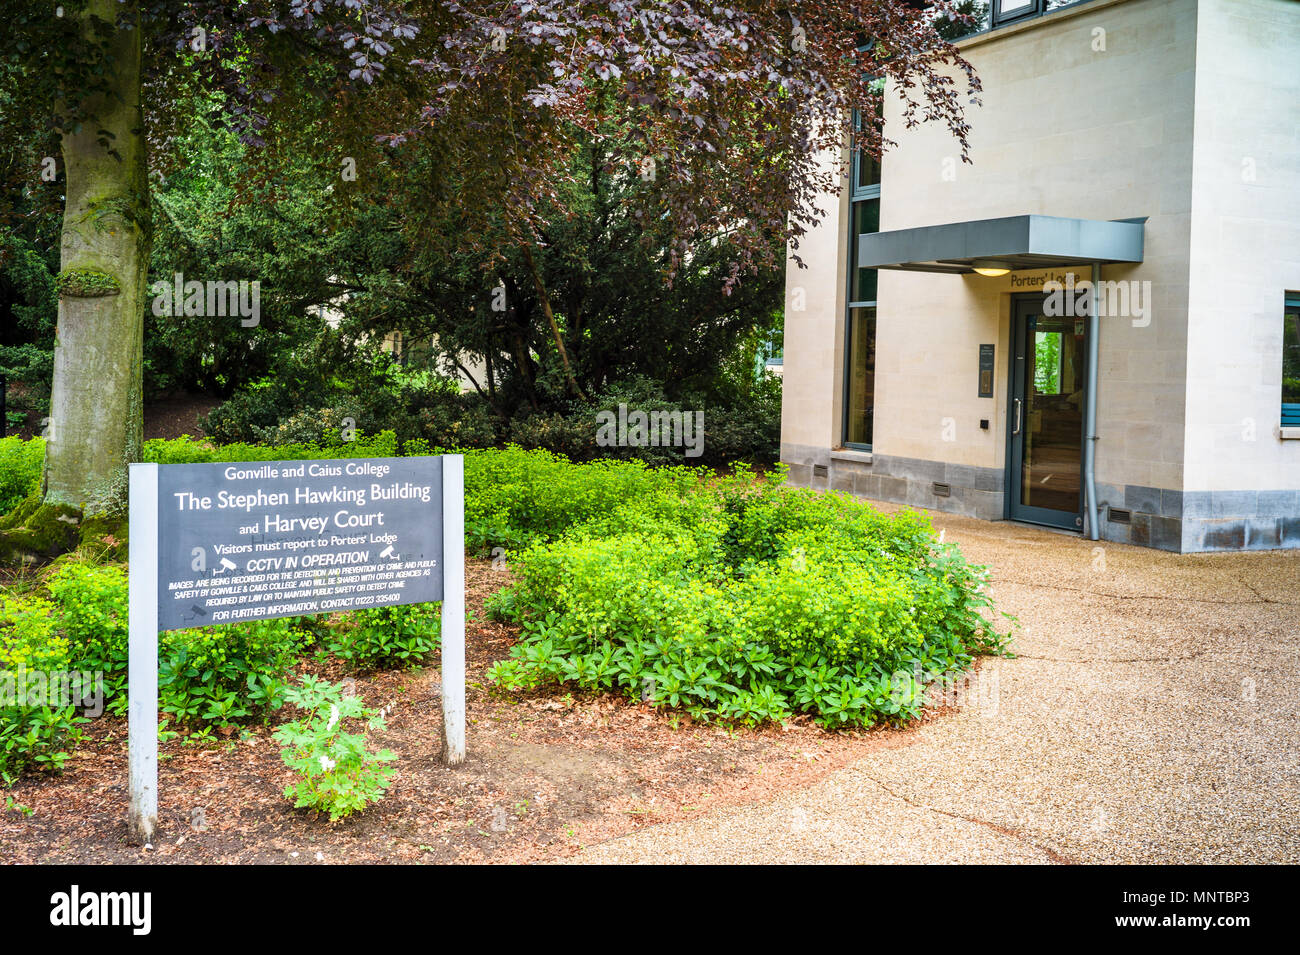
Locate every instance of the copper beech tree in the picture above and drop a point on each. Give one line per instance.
(721, 113)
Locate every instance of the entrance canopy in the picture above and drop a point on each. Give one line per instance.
(1014, 243)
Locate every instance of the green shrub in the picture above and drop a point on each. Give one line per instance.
(218, 676)
(211, 675)
(337, 772)
(90, 610)
(768, 602)
(387, 637)
(305, 406)
(433, 409)
(20, 470)
(739, 424)
(572, 435)
(36, 730)
(331, 426)
(513, 496)
(242, 416)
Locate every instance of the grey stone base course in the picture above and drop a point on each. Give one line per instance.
(1199, 521)
(1179, 521)
(975, 492)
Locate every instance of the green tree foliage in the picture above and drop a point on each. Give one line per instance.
(29, 260)
(729, 108)
(224, 212)
(604, 274)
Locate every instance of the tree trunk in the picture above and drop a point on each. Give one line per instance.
(96, 419)
(525, 367)
(544, 297)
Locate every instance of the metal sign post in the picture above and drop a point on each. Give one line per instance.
(453, 610)
(142, 662)
(221, 543)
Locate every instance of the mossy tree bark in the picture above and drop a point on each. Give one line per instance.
(96, 420)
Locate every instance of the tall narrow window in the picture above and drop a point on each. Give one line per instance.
(862, 376)
(862, 282)
(860, 322)
(1291, 361)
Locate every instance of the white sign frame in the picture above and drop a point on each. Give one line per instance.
(142, 664)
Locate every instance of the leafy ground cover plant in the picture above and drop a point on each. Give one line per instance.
(20, 470)
(781, 601)
(337, 772)
(207, 677)
(388, 637)
(220, 676)
(89, 609)
(733, 598)
(514, 497)
(37, 731)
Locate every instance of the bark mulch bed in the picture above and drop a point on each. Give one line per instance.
(167, 417)
(177, 415)
(547, 773)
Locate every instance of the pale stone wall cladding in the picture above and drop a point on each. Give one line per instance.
(1069, 128)
(1241, 479)
(811, 399)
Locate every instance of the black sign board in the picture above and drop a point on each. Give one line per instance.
(264, 539)
(986, 371)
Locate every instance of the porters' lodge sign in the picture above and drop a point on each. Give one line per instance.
(284, 538)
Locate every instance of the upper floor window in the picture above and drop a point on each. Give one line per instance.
(865, 173)
(860, 323)
(1005, 11)
(987, 14)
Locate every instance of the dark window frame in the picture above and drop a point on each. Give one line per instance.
(848, 378)
(1290, 410)
(859, 193)
(859, 190)
(989, 20)
(1036, 8)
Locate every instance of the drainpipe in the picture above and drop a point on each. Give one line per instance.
(1090, 413)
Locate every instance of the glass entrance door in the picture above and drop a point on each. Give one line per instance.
(1045, 411)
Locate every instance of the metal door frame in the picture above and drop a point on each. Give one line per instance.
(1021, 304)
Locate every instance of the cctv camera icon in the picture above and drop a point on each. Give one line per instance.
(226, 565)
(387, 551)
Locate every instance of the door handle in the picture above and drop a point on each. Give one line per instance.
(1019, 409)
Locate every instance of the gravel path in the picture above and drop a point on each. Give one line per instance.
(1152, 715)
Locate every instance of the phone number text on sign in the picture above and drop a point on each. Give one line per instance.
(284, 538)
